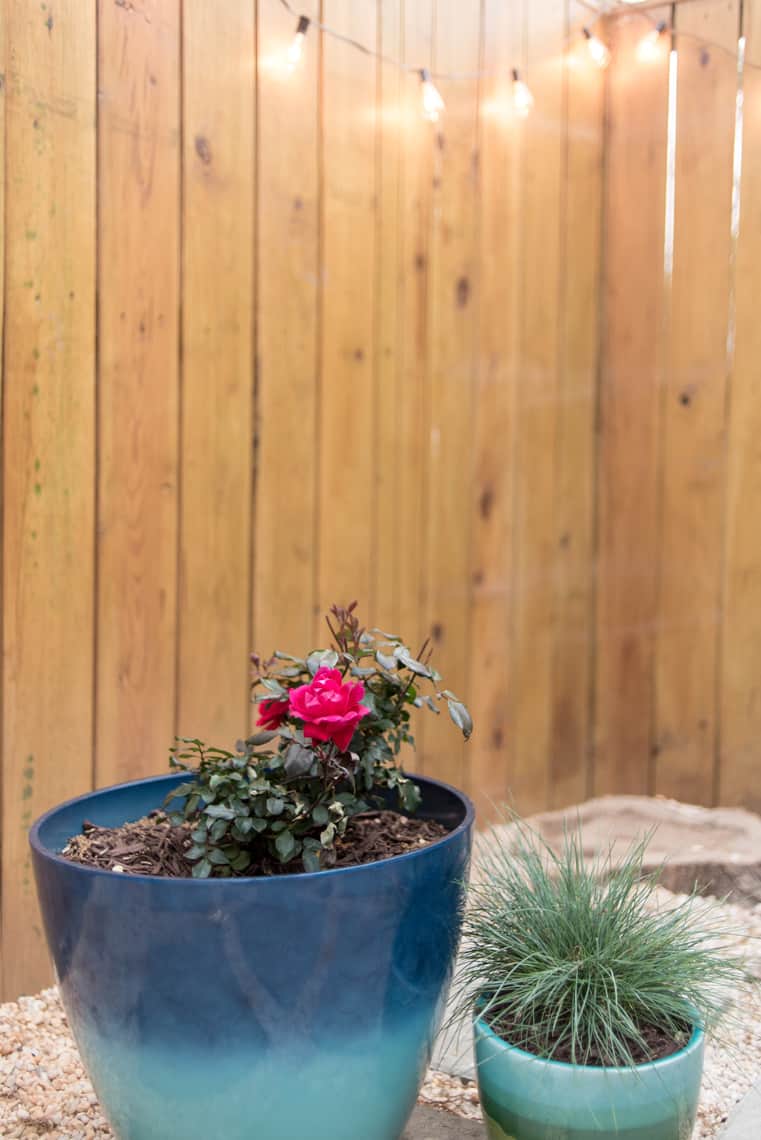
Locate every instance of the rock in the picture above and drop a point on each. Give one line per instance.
(717, 849)
(429, 1124)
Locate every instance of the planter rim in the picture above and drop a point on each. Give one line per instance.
(45, 852)
(694, 1043)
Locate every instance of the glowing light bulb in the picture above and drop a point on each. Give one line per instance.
(296, 49)
(599, 52)
(649, 49)
(433, 104)
(523, 100)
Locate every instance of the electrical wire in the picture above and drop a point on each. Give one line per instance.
(607, 8)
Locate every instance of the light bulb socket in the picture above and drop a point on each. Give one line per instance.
(303, 26)
(661, 27)
(587, 34)
(425, 75)
(516, 75)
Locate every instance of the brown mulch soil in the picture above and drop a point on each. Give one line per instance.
(152, 846)
(658, 1043)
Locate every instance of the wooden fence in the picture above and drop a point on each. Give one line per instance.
(271, 340)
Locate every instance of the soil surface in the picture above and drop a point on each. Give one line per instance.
(152, 846)
(658, 1044)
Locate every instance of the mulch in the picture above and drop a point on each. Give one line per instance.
(153, 846)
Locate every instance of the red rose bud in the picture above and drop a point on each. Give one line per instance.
(272, 713)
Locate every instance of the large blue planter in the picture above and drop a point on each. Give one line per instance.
(526, 1098)
(301, 1006)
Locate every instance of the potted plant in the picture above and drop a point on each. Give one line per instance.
(591, 1000)
(231, 963)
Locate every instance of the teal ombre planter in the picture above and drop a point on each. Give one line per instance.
(526, 1098)
(299, 1007)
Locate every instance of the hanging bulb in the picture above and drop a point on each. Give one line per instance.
(523, 100)
(649, 49)
(433, 104)
(296, 50)
(599, 52)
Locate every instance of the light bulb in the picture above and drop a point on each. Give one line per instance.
(649, 49)
(523, 100)
(599, 52)
(296, 50)
(433, 104)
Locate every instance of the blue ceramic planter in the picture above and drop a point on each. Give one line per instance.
(525, 1098)
(301, 1006)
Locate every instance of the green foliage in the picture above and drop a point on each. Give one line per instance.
(579, 958)
(284, 795)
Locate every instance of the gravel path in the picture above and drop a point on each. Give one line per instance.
(45, 1093)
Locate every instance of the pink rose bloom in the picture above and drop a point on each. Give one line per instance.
(330, 707)
(272, 713)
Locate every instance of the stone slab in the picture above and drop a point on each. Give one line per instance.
(430, 1124)
(717, 849)
(745, 1121)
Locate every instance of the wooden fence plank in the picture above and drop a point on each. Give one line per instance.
(500, 229)
(287, 362)
(536, 411)
(454, 291)
(581, 259)
(48, 446)
(741, 646)
(628, 481)
(138, 406)
(388, 314)
(345, 520)
(414, 344)
(217, 369)
(694, 408)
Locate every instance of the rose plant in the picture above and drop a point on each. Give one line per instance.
(330, 730)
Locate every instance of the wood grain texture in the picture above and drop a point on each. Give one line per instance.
(691, 546)
(48, 446)
(139, 226)
(574, 525)
(453, 370)
(285, 554)
(628, 482)
(414, 344)
(500, 229)
(217, 369)
(740, 724)
(388, 313)
(345, 511)
(534, 533)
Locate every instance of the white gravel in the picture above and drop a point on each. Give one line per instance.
(45, 1093)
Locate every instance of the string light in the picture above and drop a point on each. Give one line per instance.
(433, 104)
(523, 100)
(296, 49)
(599, 52)
(649, 48)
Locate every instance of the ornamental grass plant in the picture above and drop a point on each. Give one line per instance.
(581, 961)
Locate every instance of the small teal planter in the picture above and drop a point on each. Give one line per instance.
(525, 1098)
(302, 1006)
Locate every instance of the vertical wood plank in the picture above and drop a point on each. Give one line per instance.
(498, 375)
(139, 167)
(695, 401)
(287, 352)
(741, 643)
(581, 253)
(218, 374)
(415, 335)
(345, 513)
(454, 291)
(48, 446)
(388, 312)
(628, 482)
(537, 410)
